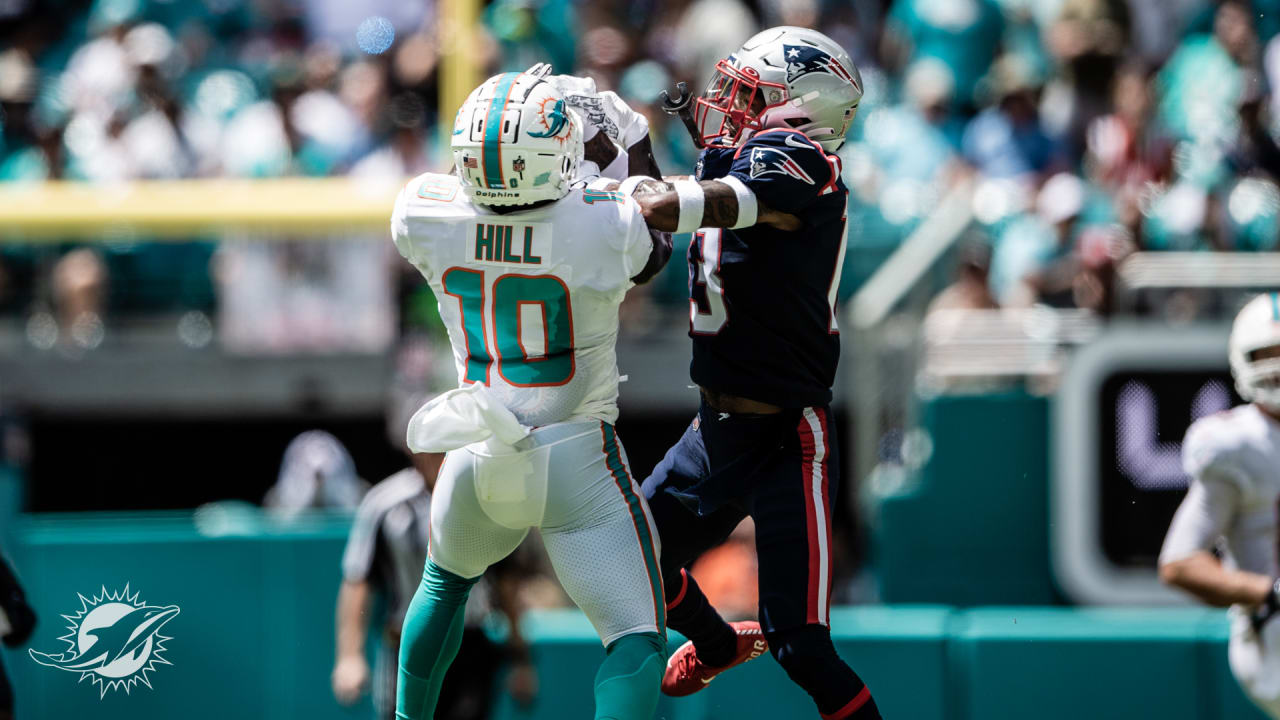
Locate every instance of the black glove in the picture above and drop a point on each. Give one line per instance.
(22, 619)
(1268, 609)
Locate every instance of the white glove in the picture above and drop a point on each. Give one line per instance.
(602, 111)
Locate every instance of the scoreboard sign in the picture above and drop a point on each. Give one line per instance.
(1125, 403)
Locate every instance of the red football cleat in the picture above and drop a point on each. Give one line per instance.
(686, 676)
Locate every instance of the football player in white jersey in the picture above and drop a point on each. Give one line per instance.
(529, 266)
(1234, 462)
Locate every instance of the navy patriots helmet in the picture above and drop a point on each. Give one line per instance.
(783, 77)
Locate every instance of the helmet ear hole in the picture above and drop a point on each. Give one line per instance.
(796, 122)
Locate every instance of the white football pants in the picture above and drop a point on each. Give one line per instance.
(1256, 664)
(572, 481)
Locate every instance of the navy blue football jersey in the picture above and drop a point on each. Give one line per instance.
(762, 300)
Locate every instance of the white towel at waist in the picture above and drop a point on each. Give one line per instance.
(462, 417)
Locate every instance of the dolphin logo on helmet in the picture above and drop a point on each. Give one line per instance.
(555, 120)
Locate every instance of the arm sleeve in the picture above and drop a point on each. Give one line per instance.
(786, 170)
(362, 544)
(1204, 516)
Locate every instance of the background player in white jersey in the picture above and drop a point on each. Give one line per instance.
(529, 267)
(1234, 462)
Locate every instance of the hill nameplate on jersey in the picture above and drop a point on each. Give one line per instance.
(509, 244)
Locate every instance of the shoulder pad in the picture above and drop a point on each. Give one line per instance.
(782, 153)
(785, 139)
(436, 187)
(1213, 443)
(600, 183)
(599, 193)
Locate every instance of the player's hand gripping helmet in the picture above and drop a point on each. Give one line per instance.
(783, 77)
(516, 141)
(1256, 330)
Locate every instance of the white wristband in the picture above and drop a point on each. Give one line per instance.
(748, 208)
(628, 186)
(692, 203)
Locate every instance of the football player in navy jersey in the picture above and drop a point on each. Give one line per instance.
(767, 208)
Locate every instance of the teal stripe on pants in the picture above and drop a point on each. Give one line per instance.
(623, 480)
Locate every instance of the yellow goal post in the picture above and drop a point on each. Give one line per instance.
(178, 209)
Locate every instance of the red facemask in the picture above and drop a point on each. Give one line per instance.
(732, 104)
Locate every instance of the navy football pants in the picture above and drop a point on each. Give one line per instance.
(783, 471)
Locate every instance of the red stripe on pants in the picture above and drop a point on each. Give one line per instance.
(826, 506)
(808, 446)
(684, 587)
(857, 702)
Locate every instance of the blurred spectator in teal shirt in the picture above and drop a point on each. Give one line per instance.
(1200, 86)
(963, 35)
(534, 31)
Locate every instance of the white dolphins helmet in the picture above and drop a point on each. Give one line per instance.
(783, 77)
(516, 142)
(1256, 329)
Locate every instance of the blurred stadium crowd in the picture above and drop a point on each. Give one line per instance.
(1092, 128)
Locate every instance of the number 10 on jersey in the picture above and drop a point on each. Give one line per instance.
(502, 317)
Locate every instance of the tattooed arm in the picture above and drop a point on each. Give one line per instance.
(661, 208)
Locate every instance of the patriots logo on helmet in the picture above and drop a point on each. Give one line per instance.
(768, 161)
(802, 60)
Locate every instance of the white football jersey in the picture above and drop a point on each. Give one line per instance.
(530, 299)
(1233, 459)
(1234, 462)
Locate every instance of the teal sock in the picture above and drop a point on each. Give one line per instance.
(628, 680)
(429, 641)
